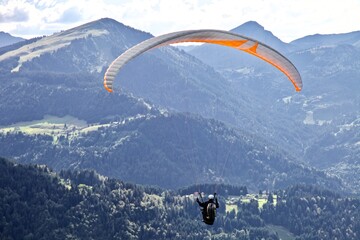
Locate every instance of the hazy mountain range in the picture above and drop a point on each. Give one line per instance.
(6, 39)
(62, 74)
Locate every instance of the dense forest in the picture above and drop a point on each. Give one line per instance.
(37, 203)
(313, 213)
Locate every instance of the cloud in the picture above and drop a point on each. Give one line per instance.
(287, 19)
(71, 15)
(14, 15)
(31, 18)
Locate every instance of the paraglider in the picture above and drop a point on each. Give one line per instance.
(208, 208)
(219, 37)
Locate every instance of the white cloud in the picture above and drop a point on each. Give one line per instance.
(14, 15)
(287, 19)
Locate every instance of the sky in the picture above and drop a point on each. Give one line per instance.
(286, 19)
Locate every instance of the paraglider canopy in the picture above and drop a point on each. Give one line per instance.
(219, 37)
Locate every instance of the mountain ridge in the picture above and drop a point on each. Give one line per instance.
(317, 40)
(254, 30)
(167, 150)
(7, 39)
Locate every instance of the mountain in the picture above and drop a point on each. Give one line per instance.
(318, 40)
(6, 39)
(255, 30)
(86, 48)
(167, 150)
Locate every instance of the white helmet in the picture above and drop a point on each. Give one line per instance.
(211, 196)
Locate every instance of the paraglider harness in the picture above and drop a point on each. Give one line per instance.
(208, 209)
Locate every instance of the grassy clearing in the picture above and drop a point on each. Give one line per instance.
(231, 202)
(66, 184)
(53, 126)
(231, 207)
(261, 199)
(49, 125)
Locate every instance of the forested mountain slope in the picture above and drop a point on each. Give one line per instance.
(37, 203)
(168, 150)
